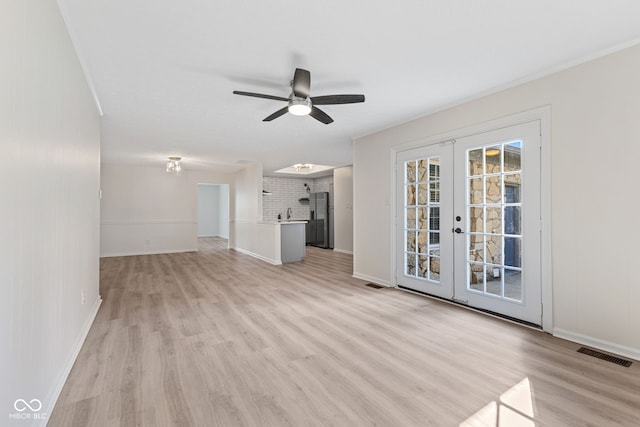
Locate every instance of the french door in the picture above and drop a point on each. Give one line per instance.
(468, 221)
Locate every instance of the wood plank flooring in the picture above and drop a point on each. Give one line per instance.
(216, 338)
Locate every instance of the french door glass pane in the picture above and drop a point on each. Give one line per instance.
(476, 219)
(422, 170)
(422, 194)
(512, 251)
(513, 156)
(411, 194)
(434, 168)
(422, 218)
(423, 269)
(493, 220)
(411, 264)
(422, 242)
(493, 159)
(434, 269)
(512, 217)
(411, 172)
(493, 188)
(513, 284)
(475, 162)
(476, 191)
(476, 277)
(476, 248)
(411, 241)
(494, 215)
(411, 218)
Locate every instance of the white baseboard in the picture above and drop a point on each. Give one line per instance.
(54, 394)
(372, 279)
(342, 251)
(136, 253)
(607, 346)
(260, 257)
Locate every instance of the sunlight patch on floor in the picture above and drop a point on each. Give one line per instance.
(513, 409)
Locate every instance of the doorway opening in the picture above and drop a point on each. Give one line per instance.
(213, 211)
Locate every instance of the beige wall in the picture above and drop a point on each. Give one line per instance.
(49, 207)
(145, 210)
(595, 146)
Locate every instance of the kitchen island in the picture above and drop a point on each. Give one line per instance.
(292, 240)
(276, 242)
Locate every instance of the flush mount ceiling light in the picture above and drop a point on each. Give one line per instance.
(299, 106)
(300, 166)
(173, 165)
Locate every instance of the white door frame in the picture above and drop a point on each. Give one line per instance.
(543, 114)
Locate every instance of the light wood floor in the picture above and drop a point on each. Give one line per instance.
(217, 338)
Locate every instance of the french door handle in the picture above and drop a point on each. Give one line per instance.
(457, 230)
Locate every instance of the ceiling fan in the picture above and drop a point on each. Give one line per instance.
(299, 103)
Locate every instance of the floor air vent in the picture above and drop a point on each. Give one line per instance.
(374, 286)
(603, 356)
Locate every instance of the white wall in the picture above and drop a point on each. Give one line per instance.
(146, 210)
(595, 148)
(208, 210)
(49, 207)
(248, 193)
(247, 233)
(250, 234)
(343, 209)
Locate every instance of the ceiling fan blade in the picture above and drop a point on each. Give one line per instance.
(301, 83)
(277, 114)
(320, 115)
(337, 99)
(260, 95)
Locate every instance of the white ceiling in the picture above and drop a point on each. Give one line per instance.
(164, 70)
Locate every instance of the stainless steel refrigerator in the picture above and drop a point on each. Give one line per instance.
(318, 225)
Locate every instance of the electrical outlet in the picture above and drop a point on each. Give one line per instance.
(83, 295)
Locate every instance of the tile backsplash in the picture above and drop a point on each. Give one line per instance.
(286, 193)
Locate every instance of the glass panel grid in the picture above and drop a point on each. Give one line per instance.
(494, 217)
(422, 218)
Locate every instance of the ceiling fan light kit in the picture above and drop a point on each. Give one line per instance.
(299, 103)
(299, 106)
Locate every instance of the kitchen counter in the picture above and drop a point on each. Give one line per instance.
(286, 221)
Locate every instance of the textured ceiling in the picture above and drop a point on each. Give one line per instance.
(164, 71)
